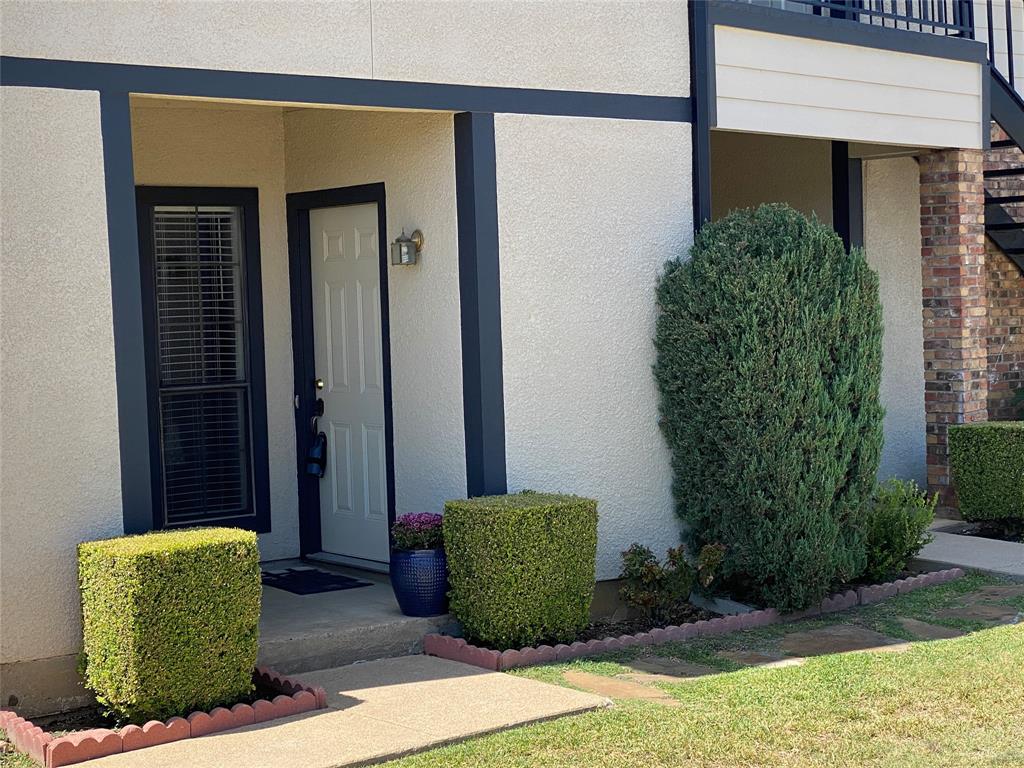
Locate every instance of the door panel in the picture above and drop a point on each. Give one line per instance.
(348, 344)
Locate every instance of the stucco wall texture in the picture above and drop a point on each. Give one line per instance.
(414, 155)
(588, 212)
(60, 476)
(892, 240)
(616, 46)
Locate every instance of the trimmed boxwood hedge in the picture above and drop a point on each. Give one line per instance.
(170, 620)
(521, 567)
(987, 463)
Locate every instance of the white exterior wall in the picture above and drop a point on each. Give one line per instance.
(60, 475)
(796, 86)
(892, 240)
(183, 144)
(619, 46)
(588, 212)
(414, 155)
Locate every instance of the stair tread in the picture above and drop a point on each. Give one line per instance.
(1000, 172)
(1007, 226)
(1003, 143)
(1004, 199)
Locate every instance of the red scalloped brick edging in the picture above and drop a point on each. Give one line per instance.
(52, 751)
(457, 649)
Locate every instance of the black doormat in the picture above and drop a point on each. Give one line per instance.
(310, 581)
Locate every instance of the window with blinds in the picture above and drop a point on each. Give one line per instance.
(199, 350)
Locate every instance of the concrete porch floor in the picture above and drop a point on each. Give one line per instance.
(299, 633)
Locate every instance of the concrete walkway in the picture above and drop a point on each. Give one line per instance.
(376, 711)
(1001, 557)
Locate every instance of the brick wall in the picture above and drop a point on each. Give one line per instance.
(954, 302)
(1005, 332)
(1005, 286)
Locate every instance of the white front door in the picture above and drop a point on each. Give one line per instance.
(347, 340)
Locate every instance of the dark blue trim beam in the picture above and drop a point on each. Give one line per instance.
(702, 86)
(126, 300)
(348, 91)
(483, 398)
(847, 196)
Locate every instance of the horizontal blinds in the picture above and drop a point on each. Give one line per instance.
(204, 408)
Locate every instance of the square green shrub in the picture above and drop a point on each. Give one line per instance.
(170, 620)
(521, 567)
(987, 463)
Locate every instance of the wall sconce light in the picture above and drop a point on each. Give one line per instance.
(405, 250)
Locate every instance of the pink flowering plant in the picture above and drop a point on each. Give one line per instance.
(418, 530)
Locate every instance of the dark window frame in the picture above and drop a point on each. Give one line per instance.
(247, 199)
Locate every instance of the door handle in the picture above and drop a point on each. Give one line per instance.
(319, 383)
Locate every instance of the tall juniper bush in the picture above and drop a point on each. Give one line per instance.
(769, 362)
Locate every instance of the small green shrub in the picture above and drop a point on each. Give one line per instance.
(769, 363)
(897, 527)
(171, 620)
(661, 590)
(521, 567)
(987, 463)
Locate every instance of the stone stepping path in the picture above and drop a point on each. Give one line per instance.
(985, 612)
(673, 670)
(925, 631)
(999, 592)
(761, 659)
(640, 683)
(617, 688)
(839, 638)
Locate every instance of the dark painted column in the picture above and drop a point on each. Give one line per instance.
(702, 91)
(847, 196)
(126, 297)
(483, 397)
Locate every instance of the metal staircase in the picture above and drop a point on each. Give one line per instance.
(1004, 162)
(1004, 170)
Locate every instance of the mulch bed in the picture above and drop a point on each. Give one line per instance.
(1000, 532)
(599, 630)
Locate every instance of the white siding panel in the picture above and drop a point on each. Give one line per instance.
(847, 125)
(781, 84)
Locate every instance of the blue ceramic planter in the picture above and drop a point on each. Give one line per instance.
(420, 580)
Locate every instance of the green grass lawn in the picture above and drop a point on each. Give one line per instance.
(952, 703)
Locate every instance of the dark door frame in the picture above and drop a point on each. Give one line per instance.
(299, 205)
